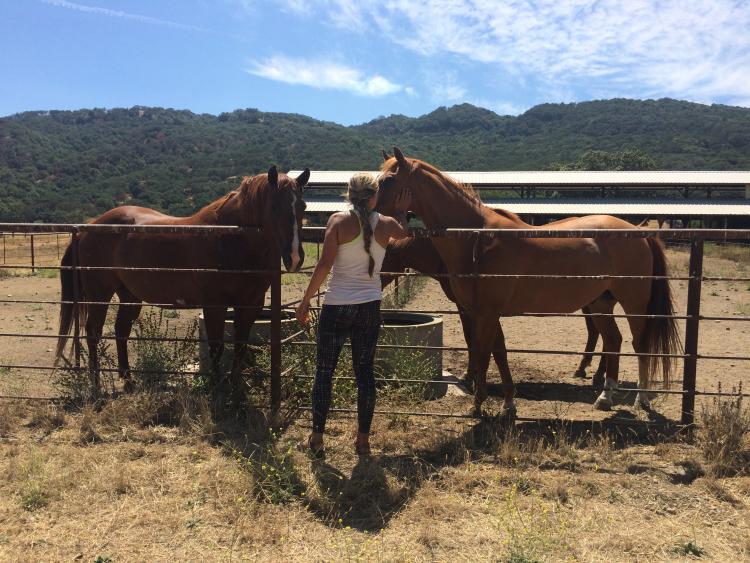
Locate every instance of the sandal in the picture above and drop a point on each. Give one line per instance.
(305, 446)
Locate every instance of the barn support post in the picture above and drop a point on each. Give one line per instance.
(691, 330)
(276, 340)
(33, 257)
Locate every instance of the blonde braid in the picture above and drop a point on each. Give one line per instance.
(361, 188)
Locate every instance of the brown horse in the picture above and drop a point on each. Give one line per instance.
(421, 255)
(442, 202)
(273, 202)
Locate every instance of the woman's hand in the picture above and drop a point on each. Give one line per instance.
(403, 200)
(303, 311)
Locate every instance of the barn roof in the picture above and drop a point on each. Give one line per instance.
(569, 179)
(569, 207)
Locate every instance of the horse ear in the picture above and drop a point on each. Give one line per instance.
(273, 176)
(303, 178)
(385, 155)
(400, 158)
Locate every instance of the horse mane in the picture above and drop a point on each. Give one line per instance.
(212, 209)
(466, 190)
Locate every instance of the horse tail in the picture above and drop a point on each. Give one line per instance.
(660, 334)
(68, 308)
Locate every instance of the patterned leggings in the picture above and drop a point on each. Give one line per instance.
(362, 323)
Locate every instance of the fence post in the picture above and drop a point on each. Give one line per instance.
(474, 308)
(317, 293)
(276, 339)
(691, 330)
(4, 235)
(33, 260)
(76, 298)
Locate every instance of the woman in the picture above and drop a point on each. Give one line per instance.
(353, 250)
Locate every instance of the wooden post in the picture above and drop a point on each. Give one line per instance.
(3, 248)
(33, 259)
(691, 331)
(276, 340)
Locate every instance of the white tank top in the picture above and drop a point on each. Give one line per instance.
(350, 282)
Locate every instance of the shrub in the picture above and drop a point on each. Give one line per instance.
(159, 347)
(725, 435)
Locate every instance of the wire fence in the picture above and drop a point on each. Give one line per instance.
(35, 246)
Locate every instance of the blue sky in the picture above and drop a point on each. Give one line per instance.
(349, 62)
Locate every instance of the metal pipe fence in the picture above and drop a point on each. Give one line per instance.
(694, 237)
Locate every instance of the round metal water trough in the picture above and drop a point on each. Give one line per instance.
(412, 329)
(259, 333)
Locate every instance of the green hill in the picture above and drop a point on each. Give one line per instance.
(71, 165)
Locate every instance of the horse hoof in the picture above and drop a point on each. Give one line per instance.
(129, 386)
(603, 404)
(476, 412)
(580, 373)
(468, 384)
(508, 412)
(643, 402)
(598, 382)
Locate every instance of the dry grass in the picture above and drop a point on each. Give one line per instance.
(134, 480)
(725, 436)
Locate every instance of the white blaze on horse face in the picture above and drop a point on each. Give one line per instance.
(295, 238)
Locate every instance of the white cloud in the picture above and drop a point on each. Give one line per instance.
(690, 49)
(120, 14)
(325, 74)
(500, 107)
(443, 86)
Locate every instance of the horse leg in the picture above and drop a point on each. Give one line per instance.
(214, 318)
(466, 324)
(612, 342)
(483, 340)
(500, 353)
(126, 316)
(634, 298)
(244, 317)
(592, 337)
(96, 315)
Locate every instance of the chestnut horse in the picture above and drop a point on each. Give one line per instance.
(421, 255)
(442, 203)
(273, 202)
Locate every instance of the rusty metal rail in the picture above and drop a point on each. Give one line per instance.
(695, 237)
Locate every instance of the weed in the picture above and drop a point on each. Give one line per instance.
(47, 417)
(34, 494)
(724, 437)
(160, 350)
(75, 385)
(275, 478)
(171, 314)
(49, 273)
(690, 548)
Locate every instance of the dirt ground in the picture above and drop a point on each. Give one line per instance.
(124, 483)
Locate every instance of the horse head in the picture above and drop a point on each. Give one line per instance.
(395, 174)
(279, 203)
